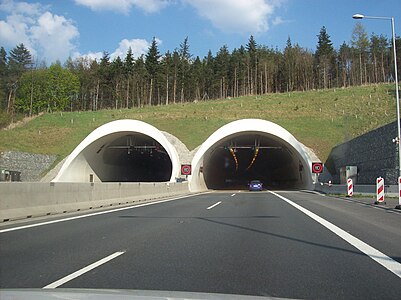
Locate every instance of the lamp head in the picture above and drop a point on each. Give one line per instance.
(358, 16)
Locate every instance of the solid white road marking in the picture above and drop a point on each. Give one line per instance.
(386, 261)
(210, 207)
(94, 214)
(82, 271)
(232, 195)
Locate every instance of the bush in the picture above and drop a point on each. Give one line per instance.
(6, 118)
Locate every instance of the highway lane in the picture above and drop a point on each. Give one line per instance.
(249, 243)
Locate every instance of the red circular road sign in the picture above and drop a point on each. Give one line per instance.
(185, 169)
(317, 167)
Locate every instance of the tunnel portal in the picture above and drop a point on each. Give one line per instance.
(251, 149)
(122, 151)
(235, 161)
(130, 158)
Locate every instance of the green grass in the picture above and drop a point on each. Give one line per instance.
(319, 119)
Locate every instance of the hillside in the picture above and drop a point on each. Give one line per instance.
(319, 119)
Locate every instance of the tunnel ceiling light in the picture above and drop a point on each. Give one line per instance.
(235, 159)
(253, 159)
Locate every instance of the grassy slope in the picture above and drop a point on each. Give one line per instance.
(319, 119)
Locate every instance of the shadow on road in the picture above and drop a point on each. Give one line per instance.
(215, 221)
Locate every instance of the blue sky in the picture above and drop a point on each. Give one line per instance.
(55, 30)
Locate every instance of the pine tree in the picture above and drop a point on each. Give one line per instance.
(3, 78)
(324, 56)
(167, 66)
(21, 58)
(128, 72)
(208, 73)
(140, 80)
(221, 70)
(176, 64)
(152, 66)
(344, 61)
(19, 61)
(251, 47)
(104, 83)
(289, 66)
(185, 57)
(117, 73)
(197, 83)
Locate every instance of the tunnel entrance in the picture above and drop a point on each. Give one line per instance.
(122, 151)
(236, 160)
(128, 157)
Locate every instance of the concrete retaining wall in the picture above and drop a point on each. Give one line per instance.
(374, 153)
(21, 200)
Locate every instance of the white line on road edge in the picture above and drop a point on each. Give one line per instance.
(96, 214)
(386, 261)
(82, 271)
(210, 207)
(232, 195)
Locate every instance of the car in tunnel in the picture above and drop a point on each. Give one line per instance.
(255, 185)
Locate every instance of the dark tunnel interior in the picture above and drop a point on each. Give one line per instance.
(132, 158)
(235, 161)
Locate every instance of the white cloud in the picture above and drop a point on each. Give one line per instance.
(88, 56)
(13, 31)
(124, 6)
(138, 47)
(242, 16)
(9, 6)
(277, 21)
(55, 35)
(46, 35)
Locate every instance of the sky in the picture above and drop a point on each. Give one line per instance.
(57, 29)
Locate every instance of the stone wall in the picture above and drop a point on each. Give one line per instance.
(374, 154)
(30, 165)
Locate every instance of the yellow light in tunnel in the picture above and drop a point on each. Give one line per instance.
(253, 159)
(235, 159)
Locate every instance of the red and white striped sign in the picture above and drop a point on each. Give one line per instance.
(380, 189)
(350, 187)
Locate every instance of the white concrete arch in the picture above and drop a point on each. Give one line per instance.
(270, 132)
(98, 156)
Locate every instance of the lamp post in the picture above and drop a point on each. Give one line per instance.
(360, 16)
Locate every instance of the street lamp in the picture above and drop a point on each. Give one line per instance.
(360, 16)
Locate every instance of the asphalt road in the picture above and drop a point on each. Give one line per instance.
(246, 243)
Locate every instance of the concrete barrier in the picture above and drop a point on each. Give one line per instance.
(23, 200)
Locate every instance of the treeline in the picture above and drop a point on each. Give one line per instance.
(178, 77)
